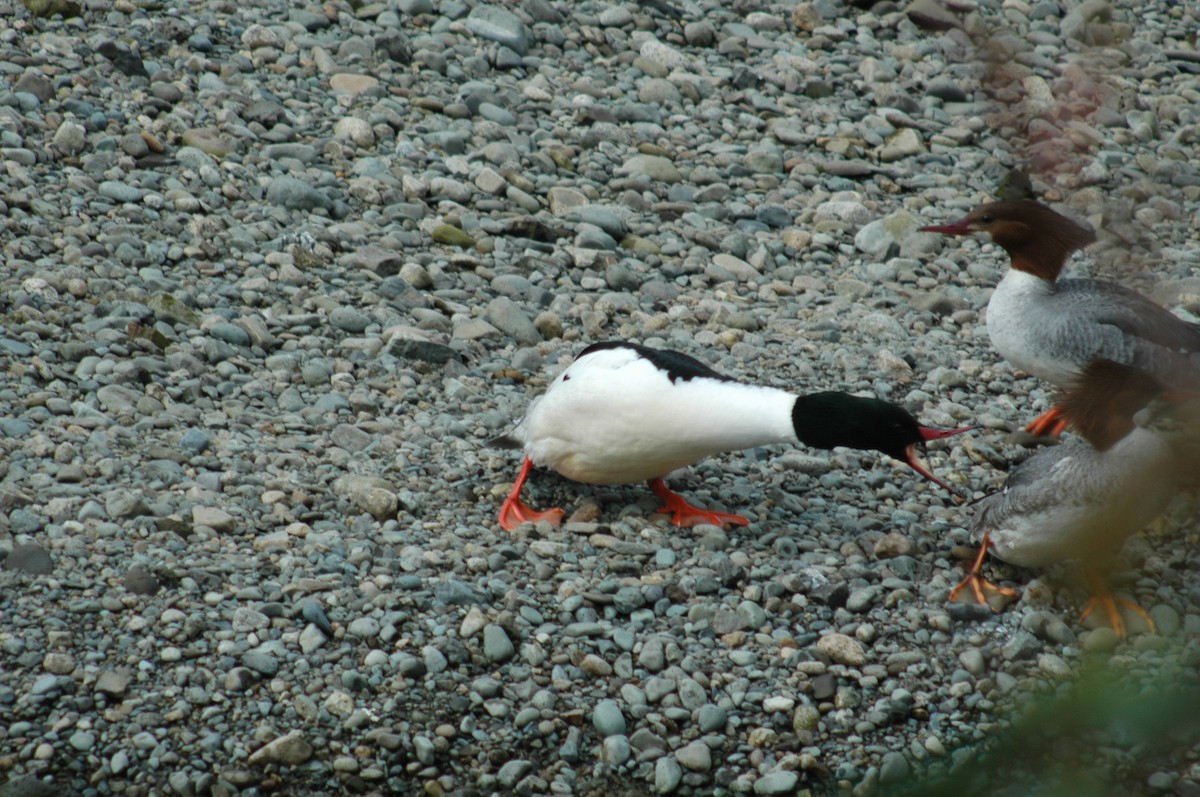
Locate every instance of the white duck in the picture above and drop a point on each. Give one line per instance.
(623, 413)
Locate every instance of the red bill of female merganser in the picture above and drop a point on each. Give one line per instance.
(1053, 327)
(624, 413)
(1082, 500)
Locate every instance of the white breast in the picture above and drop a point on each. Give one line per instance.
(1022, 321)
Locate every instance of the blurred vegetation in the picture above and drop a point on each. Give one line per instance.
(1101, 734)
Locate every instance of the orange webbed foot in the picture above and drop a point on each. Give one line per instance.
(685, 515)
(1050, 423)
(985, 592)
(1110, 605)
(514, 512)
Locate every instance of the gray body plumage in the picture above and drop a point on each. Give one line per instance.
(1053, 329)
(1074, 502)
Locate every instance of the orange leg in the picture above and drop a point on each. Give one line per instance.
(684, 514)
(514, 512)
(1050, 423)
(1101, 596)
(981, 588)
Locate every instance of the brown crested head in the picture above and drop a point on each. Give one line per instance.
(1038, 240)
(1101, 405)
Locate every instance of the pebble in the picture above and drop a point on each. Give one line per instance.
(608, 718)
(667, 775)
(498, 24)
(496, 644)
(781, 782)
(30, 558)
(295, 194)
(842, 649)
(291, 749)
(695, 756)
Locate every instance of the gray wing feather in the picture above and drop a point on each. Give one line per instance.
(1036, 485)
(1116, 323)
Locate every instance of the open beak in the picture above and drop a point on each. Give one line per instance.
(960, 227)
(929, 433)
(914, 461)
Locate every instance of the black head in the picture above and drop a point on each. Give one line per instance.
(831, 419)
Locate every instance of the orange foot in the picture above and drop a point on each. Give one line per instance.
(1103, 598)
(684, 514)
(1050, 423)
(514, 511)
(982, 589)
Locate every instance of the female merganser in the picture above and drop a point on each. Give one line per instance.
(1052, 328)
(1082, 500)
(623, 413)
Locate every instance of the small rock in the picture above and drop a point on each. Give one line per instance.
(295, 194)
(893, 769)
(667, 775)
(653, 167)
(216, 519)
(208, 141)
(695, 756)
(141, 581)
(352, 85)
(29, 557)
(499, 25)
(842, 649)
(452, 236)
(781, 782)
(608, 719)
(496, 644)
(289, 750)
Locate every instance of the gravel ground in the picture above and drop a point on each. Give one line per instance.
(276, 273)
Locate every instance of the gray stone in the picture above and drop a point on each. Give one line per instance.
(291, 750)
(120, 192)
(496, 644)
(711, 718)
(653, 167)
(667, 775)
(695, 756)
(499, 25)
(295, 194)
(349, 319)
(508, 317)
(608, 719)
(512, 772)
(893, 769)
(779, 782)
(70, 138)
(29, 557)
